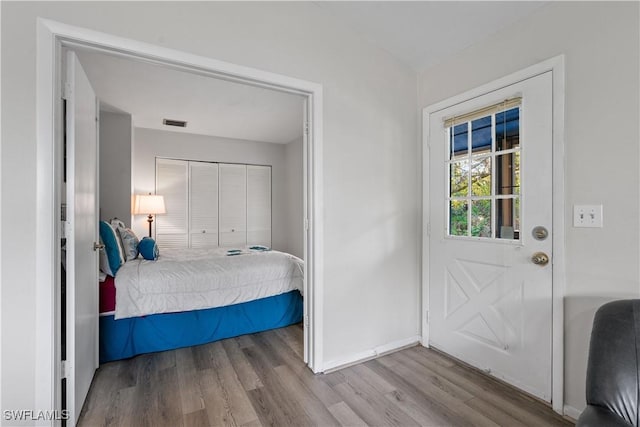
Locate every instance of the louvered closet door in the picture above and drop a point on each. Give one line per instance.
(259, 205)
(172, 182)
(233, 205)
(203, 204)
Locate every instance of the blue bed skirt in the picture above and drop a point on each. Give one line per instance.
(124, 338)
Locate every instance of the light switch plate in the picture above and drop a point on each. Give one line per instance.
(587, 216)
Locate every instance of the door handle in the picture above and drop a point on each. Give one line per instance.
(97, 246)
(540, 258)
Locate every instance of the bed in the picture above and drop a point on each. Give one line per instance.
(194, 296)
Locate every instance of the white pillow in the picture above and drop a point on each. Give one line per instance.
(104, 261)
(129, 243)
(118, 225)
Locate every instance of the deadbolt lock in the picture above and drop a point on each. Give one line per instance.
(540, 232)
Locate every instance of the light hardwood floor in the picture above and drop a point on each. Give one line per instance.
(260, 379)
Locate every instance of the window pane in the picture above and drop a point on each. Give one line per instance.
(481, 177)
(516, 214)
(508, 173)
(481, 135)
(508, 218)
(459, 141)
(458, 218)
(508, 129)
(459, 179)
(481, 218)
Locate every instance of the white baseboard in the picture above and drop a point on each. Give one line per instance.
(571, 412)
(344, 362)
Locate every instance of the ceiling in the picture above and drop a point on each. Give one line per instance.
(151, 93)
(424, 33)
(418, 33)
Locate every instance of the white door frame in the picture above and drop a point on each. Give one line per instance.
(556, 66)
(51, 37)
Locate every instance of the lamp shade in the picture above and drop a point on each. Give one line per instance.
(148, 204)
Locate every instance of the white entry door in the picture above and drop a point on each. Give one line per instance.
(82, 235)
(490, 221)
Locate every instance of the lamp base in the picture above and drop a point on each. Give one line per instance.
(150, 220)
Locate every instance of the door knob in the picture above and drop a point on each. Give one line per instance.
(540, 258)
(97, 246)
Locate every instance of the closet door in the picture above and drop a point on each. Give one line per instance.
(259, 205)
(172, 182)
(233, 205)
(203, 204)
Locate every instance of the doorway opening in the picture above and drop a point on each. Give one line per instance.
(53, 38)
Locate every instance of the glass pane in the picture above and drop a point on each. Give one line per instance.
(458, 141)
(516, 214)
(508, 173)
(459, 179)
(458, 218)
(508, 129)
(508, 219)
(481, 177)
(481, 218)
(481, 135)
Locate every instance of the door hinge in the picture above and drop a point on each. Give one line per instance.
(306, 321)
(306, 128)
(306, 224)
(428, 229)
(64, 369)
(67, 91)
(426, 314)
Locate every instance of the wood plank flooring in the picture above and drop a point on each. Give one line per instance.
(260, 380)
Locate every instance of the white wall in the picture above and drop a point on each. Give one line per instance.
(601, 44)
(295, 195)
(115, 166)
(149, 144)
(371, 206)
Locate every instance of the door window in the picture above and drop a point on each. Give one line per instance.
(483, 195)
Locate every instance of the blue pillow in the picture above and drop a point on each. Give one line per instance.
(148, 249)
(112, 247)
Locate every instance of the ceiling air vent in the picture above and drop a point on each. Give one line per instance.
(178, 123)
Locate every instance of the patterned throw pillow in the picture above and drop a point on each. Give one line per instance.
(148, 249)
(129, 243)
(119, 225)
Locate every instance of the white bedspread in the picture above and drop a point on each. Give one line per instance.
(193, 279)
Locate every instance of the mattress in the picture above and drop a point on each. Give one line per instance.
(194, 279)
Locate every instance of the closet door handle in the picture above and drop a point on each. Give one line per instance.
(97, 246)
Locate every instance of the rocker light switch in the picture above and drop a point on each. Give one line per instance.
(587, 216)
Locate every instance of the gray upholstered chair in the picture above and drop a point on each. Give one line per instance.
(613, 386)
